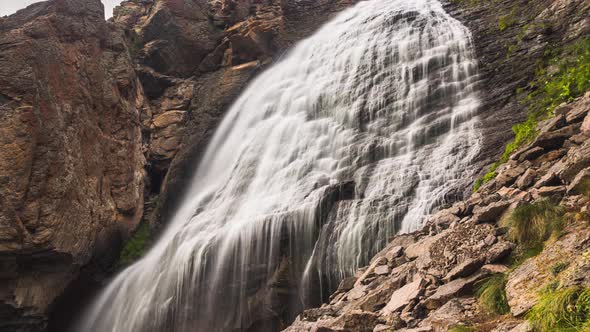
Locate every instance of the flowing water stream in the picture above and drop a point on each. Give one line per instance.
(359, 133)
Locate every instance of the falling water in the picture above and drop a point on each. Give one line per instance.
(362, 131)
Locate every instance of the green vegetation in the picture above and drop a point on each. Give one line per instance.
(136, 247)
(562, 310)
(558, 268)
(492, 295)
(533, 223)
(563, 77)
(506, 21)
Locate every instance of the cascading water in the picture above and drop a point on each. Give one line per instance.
(360, 132)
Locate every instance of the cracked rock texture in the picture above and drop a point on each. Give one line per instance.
(71, 161)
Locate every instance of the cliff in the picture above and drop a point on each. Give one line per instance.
(71, 162)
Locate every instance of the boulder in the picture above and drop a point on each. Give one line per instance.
(452, 290)
(490, 213)
(465, 268)
(575, 187)
(403, 296)
(527, 179)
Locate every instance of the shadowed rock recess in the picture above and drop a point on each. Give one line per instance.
(103, 125)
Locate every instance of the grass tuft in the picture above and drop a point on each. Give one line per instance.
(562, 310)
(532, 224)
(492, 295)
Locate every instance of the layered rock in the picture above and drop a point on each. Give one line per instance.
(193, 59)
(426, 281)
(511, 38)
(71, 162)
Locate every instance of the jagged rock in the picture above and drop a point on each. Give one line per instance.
(491, 212)
(70, 151)
(382, 328)
(579, 110)
(575, 161)
(552, 124)
(394, 253)
(548, 180)
(451, 290)
(509, 176)
(382, 270)
(465, 268)
(403, 296)
(499, 251)
(527, 179)
(554, 139)
(494, 268)
(574, 187)
(586, 125)
(549, 192)
(451, 314)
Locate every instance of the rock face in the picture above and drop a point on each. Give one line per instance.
(433, 274)
(510, 37)
(71, 161)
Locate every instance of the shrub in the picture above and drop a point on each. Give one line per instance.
(533, 223)
(562, 310)
(492, 295)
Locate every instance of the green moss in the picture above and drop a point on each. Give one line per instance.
(562, 310)
(137, 245)
(492, 295)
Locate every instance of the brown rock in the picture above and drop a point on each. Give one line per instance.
(403, 296)
(71, 150)
(527, 179)
(490, 213)
(451, 290)
(464, 269)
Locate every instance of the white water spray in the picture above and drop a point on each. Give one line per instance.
(362, 131)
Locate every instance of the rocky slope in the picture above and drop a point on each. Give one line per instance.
(71, 162)
(427, 281)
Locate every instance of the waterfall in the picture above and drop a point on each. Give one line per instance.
(360, 132)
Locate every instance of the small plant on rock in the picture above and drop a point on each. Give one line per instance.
(492, 295)
(558, 268)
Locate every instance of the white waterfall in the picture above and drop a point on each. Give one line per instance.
(361, 132)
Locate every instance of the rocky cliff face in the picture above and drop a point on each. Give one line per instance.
(428, 280)
(194, 58)
(71, 162)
